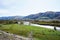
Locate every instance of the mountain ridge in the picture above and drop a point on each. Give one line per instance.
(44, 16)
(49, 15)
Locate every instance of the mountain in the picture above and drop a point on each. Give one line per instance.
(49, 15)
(46, 16)
(11, 18)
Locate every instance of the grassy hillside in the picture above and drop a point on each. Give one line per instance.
(38, 32)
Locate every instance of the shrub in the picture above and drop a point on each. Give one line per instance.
(0, 25)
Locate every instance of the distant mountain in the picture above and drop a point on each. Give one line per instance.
(44, 16)
(11, 18)
(39, 16)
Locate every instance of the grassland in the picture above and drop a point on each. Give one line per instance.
(38, 32)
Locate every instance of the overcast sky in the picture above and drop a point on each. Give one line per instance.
(26, 7)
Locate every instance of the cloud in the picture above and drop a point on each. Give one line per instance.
(4, 11)
(26, 7)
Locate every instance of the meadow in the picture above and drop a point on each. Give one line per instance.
(38, 33)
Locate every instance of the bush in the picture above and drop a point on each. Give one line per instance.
(0, 25)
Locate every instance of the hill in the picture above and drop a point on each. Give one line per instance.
(11, 18)
(44, 16)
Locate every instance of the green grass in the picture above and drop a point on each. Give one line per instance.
(39, 33)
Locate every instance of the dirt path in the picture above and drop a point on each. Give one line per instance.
(8, 36)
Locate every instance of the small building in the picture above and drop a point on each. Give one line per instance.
(26, 23)
(19, 22)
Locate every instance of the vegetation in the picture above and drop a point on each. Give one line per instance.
(1, 25)
(8, 21)
(39, 33)
(52, 23)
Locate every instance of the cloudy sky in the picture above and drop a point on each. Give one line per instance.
(26, 7)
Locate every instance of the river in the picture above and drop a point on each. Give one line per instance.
(45, 26)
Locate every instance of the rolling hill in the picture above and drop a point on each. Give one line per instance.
(11, 18)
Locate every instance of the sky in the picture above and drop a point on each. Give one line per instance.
(27, 7)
